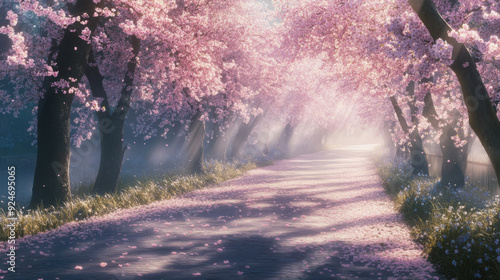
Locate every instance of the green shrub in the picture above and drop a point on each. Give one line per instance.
(459, 229)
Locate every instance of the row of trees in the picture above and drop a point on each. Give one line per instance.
(170, 58)
(192, 63)
(433, 64)
(179, 65)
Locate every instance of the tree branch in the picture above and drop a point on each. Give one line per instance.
(429, 111)
(95, 80)
(399, 114)
(482, 117)
(124, 102)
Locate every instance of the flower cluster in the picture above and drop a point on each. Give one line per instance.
(460, 229)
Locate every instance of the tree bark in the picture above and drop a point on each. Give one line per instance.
(111, 124)
(112, 151)
(242, 135)
(482, 117)
(418, 158)
(195, 143)
(417, 152)
(454, 161)
(51, 184)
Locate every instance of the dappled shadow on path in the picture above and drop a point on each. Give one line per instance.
(320, 216)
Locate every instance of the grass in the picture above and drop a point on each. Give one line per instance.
(145, 191)
(459, 229)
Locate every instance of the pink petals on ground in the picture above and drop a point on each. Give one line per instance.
(325, 210)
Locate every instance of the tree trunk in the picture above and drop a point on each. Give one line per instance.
(482, 117)
(111, 124)
(454, 161)
(417, 154)
(195, 145)
(241, 136)
(51, 185)
(112, 151)
(418, 158)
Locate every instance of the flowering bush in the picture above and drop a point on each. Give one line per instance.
(460, 229)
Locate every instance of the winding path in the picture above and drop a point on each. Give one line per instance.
(318, 216)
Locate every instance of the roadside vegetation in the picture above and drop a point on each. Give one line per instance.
(130, 194)
(458, 228)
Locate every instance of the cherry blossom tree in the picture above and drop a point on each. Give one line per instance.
(337, 32)
(204, 73)
(198, 62)
(179, 29)
(481, 111)
(246, 71)
(178, 67)
(387, 47)
(417, 154)
(49, 73)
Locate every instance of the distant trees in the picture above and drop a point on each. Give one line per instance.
(382, 47)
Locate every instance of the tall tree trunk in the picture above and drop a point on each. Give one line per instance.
(241, 136)
(418, 158)
(51, 185)
(195, 143)
(482, 117)
(454, 161)
(111, 124)
(112, 151)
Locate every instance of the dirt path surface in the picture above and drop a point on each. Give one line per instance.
(318, 216)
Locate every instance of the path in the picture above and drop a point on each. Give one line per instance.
(318, 216)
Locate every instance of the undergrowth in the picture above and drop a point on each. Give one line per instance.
(142, 192)
(459, 229)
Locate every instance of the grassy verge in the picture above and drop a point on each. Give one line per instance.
(84, 205)
(459, 229)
